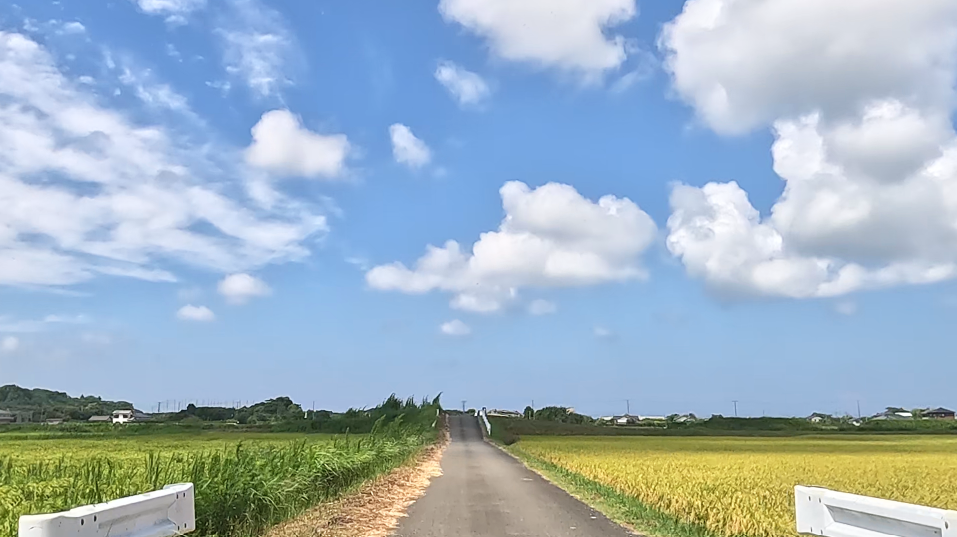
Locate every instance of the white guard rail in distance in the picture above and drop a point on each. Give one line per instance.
(838, 514)
(488, 426)
(162, 513)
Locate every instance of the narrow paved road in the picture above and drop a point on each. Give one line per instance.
(484, 492)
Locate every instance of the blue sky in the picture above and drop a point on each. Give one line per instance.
(223, 200)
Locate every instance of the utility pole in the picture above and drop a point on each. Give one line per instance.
(858, 409)
(735, 408)
(627, 407)
(463, 406)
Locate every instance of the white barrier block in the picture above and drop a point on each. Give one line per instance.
(162, 513)
(488, 426)
(838, 514)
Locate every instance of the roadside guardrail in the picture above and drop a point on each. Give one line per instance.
(488, 426)
(839, 514)
(163, 513)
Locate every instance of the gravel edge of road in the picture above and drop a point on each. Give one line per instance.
(376, 507)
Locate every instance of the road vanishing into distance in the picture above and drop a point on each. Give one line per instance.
(484, 492)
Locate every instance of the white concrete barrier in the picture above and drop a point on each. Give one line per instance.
(162, 513)
(488, 426)
(838, 514)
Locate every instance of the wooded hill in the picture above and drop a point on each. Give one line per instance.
(46, 404)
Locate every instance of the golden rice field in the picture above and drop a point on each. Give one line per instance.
(745, 486)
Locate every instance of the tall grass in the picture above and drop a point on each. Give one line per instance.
(241, 489)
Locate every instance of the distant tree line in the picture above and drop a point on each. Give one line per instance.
(46, 404)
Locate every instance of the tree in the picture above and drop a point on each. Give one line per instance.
(529, 413)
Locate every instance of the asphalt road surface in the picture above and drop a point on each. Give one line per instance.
(484, 492)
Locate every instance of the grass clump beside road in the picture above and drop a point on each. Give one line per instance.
(242, 487)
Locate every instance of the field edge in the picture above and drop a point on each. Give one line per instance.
(620, 508)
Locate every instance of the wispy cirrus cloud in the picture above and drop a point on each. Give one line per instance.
(89, 191)
(258, 47)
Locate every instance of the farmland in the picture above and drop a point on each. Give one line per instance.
(735, 486)
(244, 481)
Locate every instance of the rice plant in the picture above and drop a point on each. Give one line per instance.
(745, 486)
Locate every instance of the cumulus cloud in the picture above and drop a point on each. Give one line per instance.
(283, 146)
(859, 99)
(455, 327)
(87, 191)
(551, 236)
(73, 27)
(239, 288)
(190, 312)
(826, 57)
(466, 87)
(407, 149)
(258, 47)
(542, 307)
(9, 344)
(568, 35)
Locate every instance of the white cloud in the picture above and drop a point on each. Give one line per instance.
(602, 332)
(283, 146)
(96, 338)
(155, 94)
(189, 294)
(407, 149)
(833, 58)
(86, 191)
(542, 307)
(551, 236)
(568, 35)
(859, 98)
(190, 312)
(66, 319)
(455, 327)
(10, 344)
(846, 307)
(239, 288)
(173, 52)
(170, 7)
(73, 27)
(467, 87)
(222, 85)
(13, 325)
(258, 47)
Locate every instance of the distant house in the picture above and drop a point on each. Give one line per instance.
(894, 416)
(495, 413)
(123, 416)
(100, 419)
(629, 419)
(939, 414)
(685, 418)
(53, 421)
(817, 417)
(14, 417)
